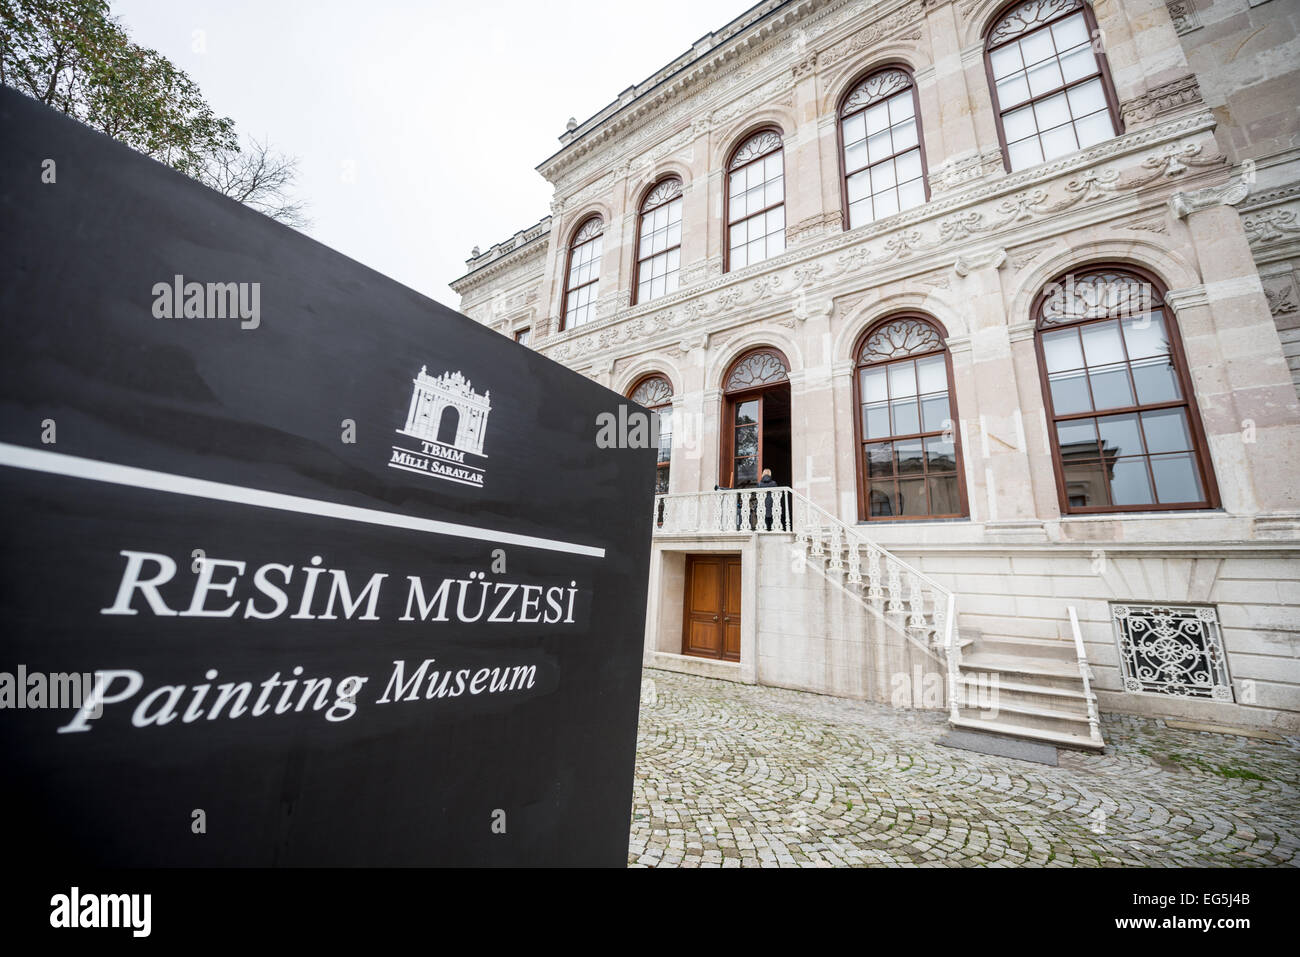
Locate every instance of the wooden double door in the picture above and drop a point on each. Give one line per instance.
(712, 625)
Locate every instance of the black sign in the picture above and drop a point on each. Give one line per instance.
(299, 567)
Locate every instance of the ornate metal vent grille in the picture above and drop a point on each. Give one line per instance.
(1172, 650)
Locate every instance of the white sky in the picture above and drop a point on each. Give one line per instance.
(440, 110)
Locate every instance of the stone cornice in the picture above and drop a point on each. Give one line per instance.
(1005, 210)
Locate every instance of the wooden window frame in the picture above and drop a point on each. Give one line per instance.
(642, 209)
(726, 189)
(841, 116)
(1103, 70)
(860, 441)
(525, 331)
(1201, 450)
(568, 266)
(727, 464)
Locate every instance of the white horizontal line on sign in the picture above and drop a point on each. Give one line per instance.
(57, 463)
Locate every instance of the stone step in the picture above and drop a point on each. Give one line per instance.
(1080, 742)
(1054, 648)
(1031, 716)
(1043, 672)
(1011, 693)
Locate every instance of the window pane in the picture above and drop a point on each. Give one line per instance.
(900, 107)
(1094, 129)
(1069, 392)
(883, 498)
(905, 135)
(1120, 435)
(932, 374)
(1077, 438)
(875, 421)
(880, 459)
(747, 412)
(1110, 387)
(1129, 483)
(746, 471)
(944, 499)
(747, 440)
(1052, 111)
(1059, 142)
(873, 385)
(1061, 350)
(1018, 124)
(934, 411)
(940, 455)
(1145, 335)
(1176, 478)
(1101, 343)
(739, 258)
(1025, 154)
(908, 166)
(877, 118)
(1037, 47)
(911, 194)
(1070, 32)
(906, 419)
(1086, 483)
(855, 156)
(879, 146)
(1012, 91)
(1078, 63)
(859, 186)
(1044, 78)
(882, 176)
(902, 379)
(855, 128)
(1166, 431)
(1006, 60)
(1155, 380)
(911, 497)
(1087, 98)
(859, 213)
(911, 456)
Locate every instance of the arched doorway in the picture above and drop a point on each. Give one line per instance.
(756, 419)
(448, 425)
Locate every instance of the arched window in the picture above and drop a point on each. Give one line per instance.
(1051, 88)
(1125, 432)
(756, 200)
(583, 277)
(656, 393)
(910, 461)
(880, 138)
(756, 392)
(659, 241)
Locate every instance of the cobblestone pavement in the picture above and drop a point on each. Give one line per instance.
(731, 775)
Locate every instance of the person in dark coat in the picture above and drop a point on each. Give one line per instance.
(765, 482)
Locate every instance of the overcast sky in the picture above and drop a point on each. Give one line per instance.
(418, 125)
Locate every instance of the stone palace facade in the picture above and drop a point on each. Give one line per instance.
(1004, 294)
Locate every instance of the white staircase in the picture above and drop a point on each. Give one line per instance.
(1032, 688)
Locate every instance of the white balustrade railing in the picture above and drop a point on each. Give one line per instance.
(1094, 718)
(888, 583)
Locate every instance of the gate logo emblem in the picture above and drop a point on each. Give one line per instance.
(448, 421)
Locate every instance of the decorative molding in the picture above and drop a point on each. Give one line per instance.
(1175, 95)
(1269, 226)
(1228, 194)
(973, 262)
(1183, 14)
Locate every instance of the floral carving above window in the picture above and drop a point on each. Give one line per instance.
(760, 144)
(905, 337)
(653, 391)
(590, 230)
(667, 190)
(1095, 295)
(756, 369)
(1029, 15)
(876, 87)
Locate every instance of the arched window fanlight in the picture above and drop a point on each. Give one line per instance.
(1052, 90)
(659, 241)
(882, 156)
(582, 279)
(1125, 431)
(655, 392)
(756, 200)
(909, 463)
